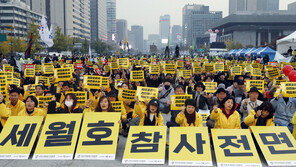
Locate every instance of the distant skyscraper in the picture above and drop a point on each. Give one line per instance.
(121, 30)
(111, 19)
(197, 20)
(176, 34)
(73, 17)
(98, 15)
(38, 6)
(237, 5)
(253, 6)
(164, 27)
(292, 7)
(137, 31)
(154, 39)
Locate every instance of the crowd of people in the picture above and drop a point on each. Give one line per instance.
(231, 106)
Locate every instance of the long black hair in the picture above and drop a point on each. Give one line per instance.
(152, 102)
(267, 106)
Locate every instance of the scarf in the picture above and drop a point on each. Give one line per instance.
(190, 118)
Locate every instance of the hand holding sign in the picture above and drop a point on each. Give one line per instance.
(258, 114)
(215, 108)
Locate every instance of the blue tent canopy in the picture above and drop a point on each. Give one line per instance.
(250, 51)
(243, 52)
(254, 53)
(228, 52)
(267, 51)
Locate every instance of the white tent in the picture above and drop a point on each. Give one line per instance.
(284, 43)
(280, 58)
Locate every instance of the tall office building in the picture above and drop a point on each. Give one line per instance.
(121, 30)
(72, 16)
(253, 6)
(197, 20)
(164, 27)
(98, 17)
(17, 13)
(38, 6)
(137, 31)
(154, 39)
(176, 34)
(292, 8)
(237, 5)
(111, 20)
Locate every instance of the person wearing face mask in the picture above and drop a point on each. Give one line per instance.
(261, 116)
(31, 108)
(149, 116)
(226, 116)
(69, 105)
(164, 94)
(189, 117)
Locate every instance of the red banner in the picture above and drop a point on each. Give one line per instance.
(30, 66)
(99, 71)
(78, 65)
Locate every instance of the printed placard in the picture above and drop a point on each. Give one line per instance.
(178, 101)
(81, 98)
(145, 145)
(186, 73)
(38, 68)
(62, 74)
(44, 99)
(48, 69)
(58, 137)
(256, 72)
(237, 70)
(105, 82)
(259, 84)
(289, 89)
(169, 69)
(92, 81)
(43, 79)
(126, 94)
(211, 87)
(155, 69)
(235, 147)
(197, 70)
(98, 136)
(137, 76)
(123, 62)
(189, 146)
(209, 68)
(29, 73)
(8, 68)
(31, 66)
(114, 65)
(219, 67)
(147, 93)
(277, 145)
(17, 82)
(18, 136)
(273, 73)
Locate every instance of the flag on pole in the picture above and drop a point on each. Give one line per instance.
(89, 50)
(45, 33)
(125, 43)
(192, 44)
(28, 51)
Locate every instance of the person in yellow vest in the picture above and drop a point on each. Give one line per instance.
(104, 105)
(5, 112)
(150, 115)
(261, 116)
(189, 117)
(294, 123)
(15, 104)
(69, 105)
(39, 91)
(226, 116)
(31, 108)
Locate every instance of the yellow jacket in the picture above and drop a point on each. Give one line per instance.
(128, 110)
(5, 112)
(182, 120)
(123, 113)
(140, 110)
(37, 112)
(251, 121)
(294, 122)
(19, 107)
(221, 121)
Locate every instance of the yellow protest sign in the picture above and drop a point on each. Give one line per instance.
(197, 70)
(113, 65)
(18, 136)
(17, 82)
(3, 86)
(105, 82)
(92, 81)
(8, 68)
(32, 90)
(278, 82)
(273, 73)
(189, 146)
(256, 72)
(178, 101)
(48, 69)
(123, 62)
(211, 87)
(195, 64)
(237, 70)
(9, 77)
(179, 64)
(235, 147)
(29, 72)
(43, 99)
(288, 89)
(145, 145)
(117, 106)
(259, 84)
(42, 79)
(248, 68)
(219, 67)
(255, 65)
(126, 94)
(147, 93)
(155, 69)
(209, 68)
(186, 73)
(98, 136)
(58, 137)
(277, 145)
(38, 68)
(137, 76)
(169, 69)
(62, 74)
(81, 97)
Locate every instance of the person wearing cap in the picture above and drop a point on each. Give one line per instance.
(189, 117)
(15, 104)
(149, 116)
(226, 116)
(261, 116)
(250, 103)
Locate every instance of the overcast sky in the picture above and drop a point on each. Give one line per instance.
(146, 12)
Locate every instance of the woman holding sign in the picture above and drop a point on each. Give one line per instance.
(226, 116)
(189, 117)
(150, 116)
(261, 116)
